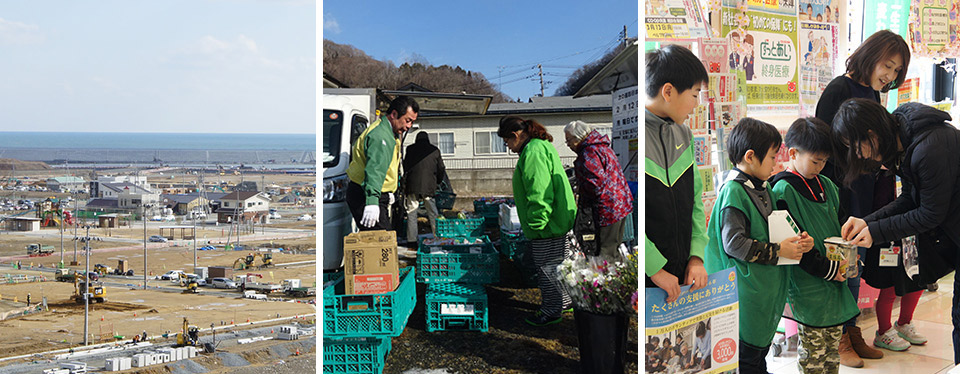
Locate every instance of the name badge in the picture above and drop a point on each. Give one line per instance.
(889, 257)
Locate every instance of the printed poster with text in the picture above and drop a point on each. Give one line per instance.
(933, 27)
(821, 11)
(764, 46)
(818, 43)
(708, 319)
(675, 19)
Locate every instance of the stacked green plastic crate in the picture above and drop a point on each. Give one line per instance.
(357, 329)
(455, 266)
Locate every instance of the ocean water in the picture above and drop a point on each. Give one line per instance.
(175, 149)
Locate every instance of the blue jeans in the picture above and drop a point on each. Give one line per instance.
(854, 285)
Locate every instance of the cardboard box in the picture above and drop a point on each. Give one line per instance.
(370, 262)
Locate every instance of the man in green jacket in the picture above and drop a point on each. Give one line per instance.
(374, 165)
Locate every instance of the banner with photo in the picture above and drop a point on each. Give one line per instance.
(697, 333)
(818, 43)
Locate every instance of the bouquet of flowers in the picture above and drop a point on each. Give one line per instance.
(598, 286)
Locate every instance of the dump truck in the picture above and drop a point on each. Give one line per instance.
(65, 275)
(39, 250)
(292, 288)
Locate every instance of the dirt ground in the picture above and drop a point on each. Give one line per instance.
(509, 346)
(126, 312)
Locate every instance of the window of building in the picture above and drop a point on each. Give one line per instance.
(443, 141)
(488, 142)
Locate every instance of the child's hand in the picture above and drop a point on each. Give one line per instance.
(806, 241)
(668, 282)
(791, 248)
(696, 273)
(840, 277)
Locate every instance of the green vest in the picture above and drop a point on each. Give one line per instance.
(762, 289)
(815, 301)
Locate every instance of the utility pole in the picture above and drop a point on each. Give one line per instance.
(623, 35)
(86, 287)
(144, 218)
(60, 206)
(76, 207)
(540, 68)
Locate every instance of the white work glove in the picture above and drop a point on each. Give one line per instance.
(371, 214)
(392, 199)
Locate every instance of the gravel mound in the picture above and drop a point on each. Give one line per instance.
(186, 367)
(232, 359)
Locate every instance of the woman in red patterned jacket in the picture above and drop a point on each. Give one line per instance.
(600, 184)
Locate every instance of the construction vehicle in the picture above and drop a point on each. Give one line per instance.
(267, 259)
(292, 288)
(97, 292)
(240, 264)
(190, 283)
(102, 269)
(39, 250)
(65, 275)
(189, 336)
(249, 282)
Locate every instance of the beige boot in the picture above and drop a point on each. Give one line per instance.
(849, 357)
(863, 349)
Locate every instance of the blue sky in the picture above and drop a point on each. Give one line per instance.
(485, 36)
(205, 66)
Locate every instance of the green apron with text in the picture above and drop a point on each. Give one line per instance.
(815, 301)
(762, 289)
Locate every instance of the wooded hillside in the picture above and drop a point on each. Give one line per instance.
(354, 68)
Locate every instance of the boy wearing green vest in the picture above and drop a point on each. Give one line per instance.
(816, 294)
(739, 238)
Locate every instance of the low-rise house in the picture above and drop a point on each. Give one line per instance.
(244, 205)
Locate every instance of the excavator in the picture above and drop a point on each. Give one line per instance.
(190, 283)
(98, 293)
(244, 263)
(267, 259)
(190, 336)
(240, 264)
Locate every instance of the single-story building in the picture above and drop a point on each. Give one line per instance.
(23, 224)
(65, 184)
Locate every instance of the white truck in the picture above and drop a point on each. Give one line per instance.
(346, 113)
(250, 283)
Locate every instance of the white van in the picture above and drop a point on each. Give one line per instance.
(346, 113)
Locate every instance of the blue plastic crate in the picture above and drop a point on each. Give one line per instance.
(355, 356)
(456, 227)
(512, 244)
(458, 263)
(374, 315)
(456, 306)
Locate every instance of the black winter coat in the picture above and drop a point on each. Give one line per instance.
(423, 167)
(929, 168)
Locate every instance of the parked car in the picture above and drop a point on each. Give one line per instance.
(223, 283)
(157, 239)
(171, 275)
(305, 217)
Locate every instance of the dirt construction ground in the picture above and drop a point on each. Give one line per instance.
(129, 309)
